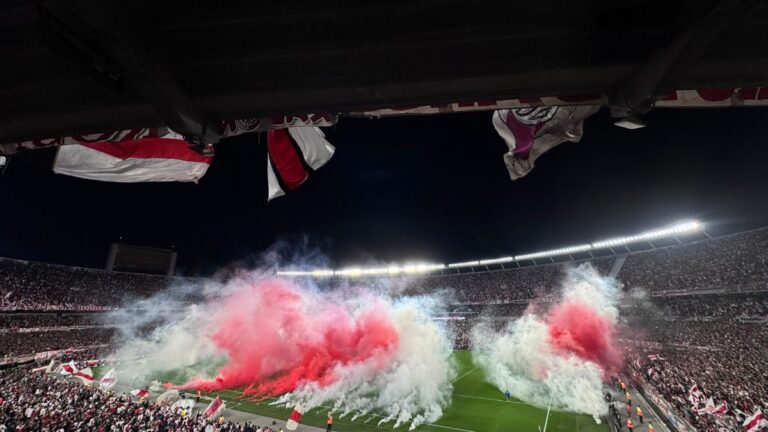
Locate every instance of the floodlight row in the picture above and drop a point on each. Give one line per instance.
(679, 228)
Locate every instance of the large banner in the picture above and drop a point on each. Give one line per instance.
(226, 129)
(729, 97)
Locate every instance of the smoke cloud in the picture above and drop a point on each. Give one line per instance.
(352, 351)
(562, 354)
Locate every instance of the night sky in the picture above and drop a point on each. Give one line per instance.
(428, 188)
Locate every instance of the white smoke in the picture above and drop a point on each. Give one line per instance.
(414, 388)
(522, 360)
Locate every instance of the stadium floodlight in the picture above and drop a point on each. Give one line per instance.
(415, 268)
(464, 264)
(679, 228)
(685, 227)
(496, 260)
(554, 252)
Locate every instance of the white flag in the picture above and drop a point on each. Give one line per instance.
(108, 380)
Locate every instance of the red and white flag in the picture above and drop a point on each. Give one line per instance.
(720, 409)
(292, 155)
(293, 420)
(654, 357)
(531, 132)
(214, 408)
(140, 393)
(132, 158)
(755, 422)
(68, 368)
(85, 375)
(108, 380)
(695, 395)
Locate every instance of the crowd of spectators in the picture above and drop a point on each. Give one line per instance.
(736, 262)
(36, 286)
(37, 401)
(499, 286)
(18, 344)
(16, 321)
(717, 342)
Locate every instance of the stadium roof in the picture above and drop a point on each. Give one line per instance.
(681, 228)
(85, 66)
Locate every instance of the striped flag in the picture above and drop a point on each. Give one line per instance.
(141, 393)
(293, 154)
(755, 422)
(214, 408)
(68, 368)
(132, 158)
(293, 420)
(85, 375)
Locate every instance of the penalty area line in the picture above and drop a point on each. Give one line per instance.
(448, 427)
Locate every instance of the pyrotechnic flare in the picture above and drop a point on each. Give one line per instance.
(563, 354)
(357, 353)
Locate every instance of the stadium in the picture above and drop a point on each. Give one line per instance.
(433, 215)
(688, 321)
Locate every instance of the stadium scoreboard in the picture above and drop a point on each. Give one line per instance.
(141, 259)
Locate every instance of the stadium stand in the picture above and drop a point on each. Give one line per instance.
(36, 401)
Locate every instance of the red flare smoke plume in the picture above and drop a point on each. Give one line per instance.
(276, 337)
(578, 329)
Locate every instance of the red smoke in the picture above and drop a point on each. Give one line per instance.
(277, 337)
(578, 329)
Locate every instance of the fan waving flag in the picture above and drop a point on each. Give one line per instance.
(292, 155)
(85, 375)
(214, 408)
(140, 393)
(68, 368)
(108, 380)
(531, 132)
(755, 422)
(132, 158)
(293, 420)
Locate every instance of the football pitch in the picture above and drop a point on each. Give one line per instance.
(476, 406)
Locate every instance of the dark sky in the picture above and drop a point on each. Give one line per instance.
(430, 188)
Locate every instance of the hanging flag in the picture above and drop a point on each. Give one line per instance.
(108, 380)
(68, 368)
(293, 420)
(292, 155)
(141, 393)
(85, 375)
(214, 408)
(755, 422)
(531, 132)
(132, 158)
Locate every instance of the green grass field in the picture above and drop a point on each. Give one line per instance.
(476, 406)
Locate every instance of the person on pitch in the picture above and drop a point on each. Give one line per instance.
(507, 394)
(640, 414)
(329, 422)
